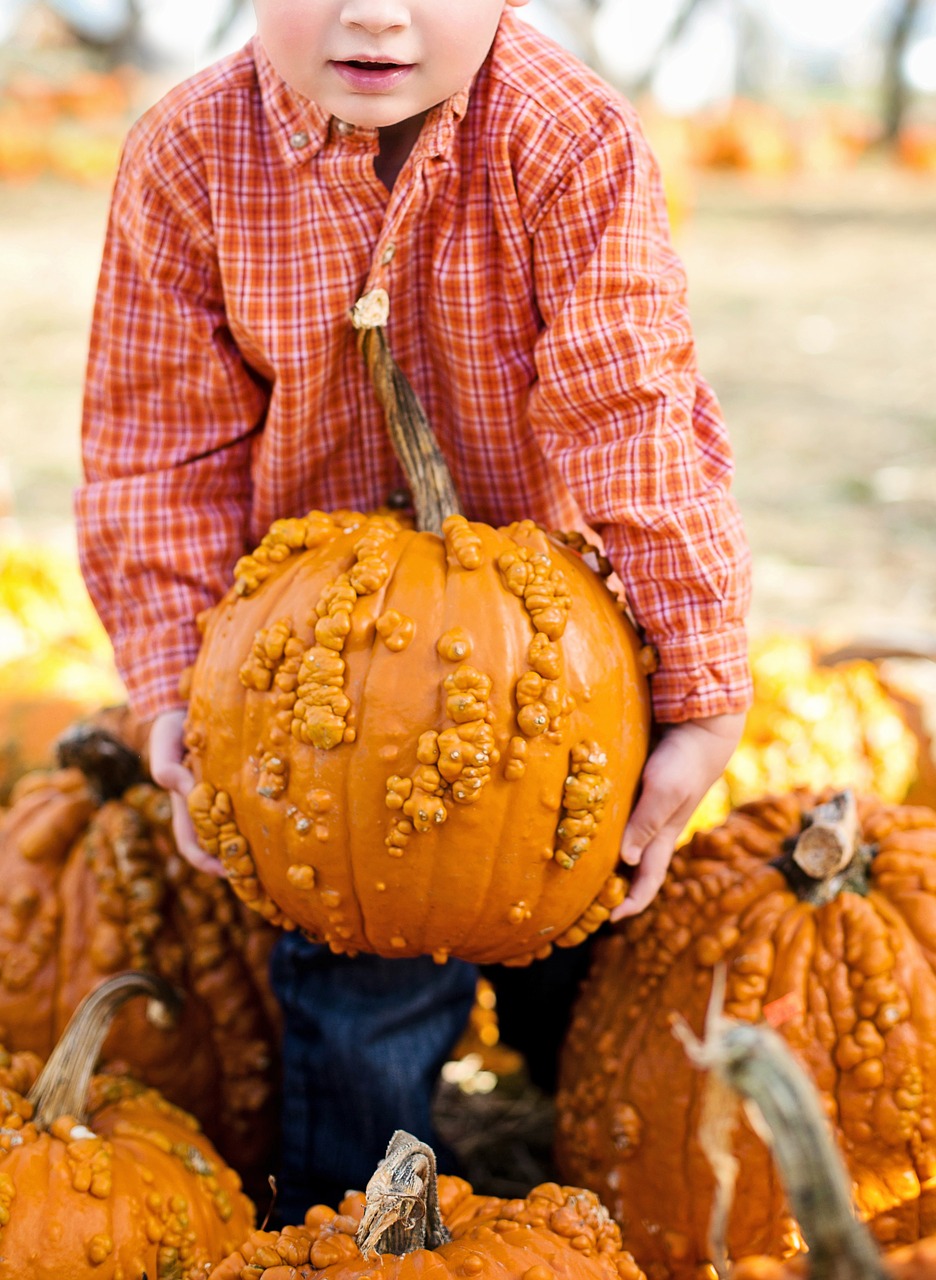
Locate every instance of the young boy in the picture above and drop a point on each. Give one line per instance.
(504, 197)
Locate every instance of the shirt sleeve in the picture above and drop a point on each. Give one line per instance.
(170, 409)
(621, 411)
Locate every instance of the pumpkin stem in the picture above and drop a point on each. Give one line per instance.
(61, 1088)
(784, 1106)
(828, 855)
(416, 448)
(827, 844)
(95, 746)
(402, 1210)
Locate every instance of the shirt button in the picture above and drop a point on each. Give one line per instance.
(343, 127)
(299, 140)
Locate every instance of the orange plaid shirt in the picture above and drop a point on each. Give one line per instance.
(536, 305)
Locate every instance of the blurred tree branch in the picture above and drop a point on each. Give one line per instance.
(125, 45)
(896, 92)
(229, 16)
(681, 19)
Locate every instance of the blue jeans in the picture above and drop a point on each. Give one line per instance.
(364, 1041)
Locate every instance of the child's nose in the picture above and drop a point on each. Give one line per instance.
(375, 15)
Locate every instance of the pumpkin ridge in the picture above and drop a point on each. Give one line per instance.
(495, 542)
(58, 1022)
(307, 757)
(376, 925)
(502, 819)
(437, 868)
(453, 615)
(59, 803)
(382, 600)
(308, 577)
(544, 887)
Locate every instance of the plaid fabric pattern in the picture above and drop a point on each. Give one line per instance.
(536, 304)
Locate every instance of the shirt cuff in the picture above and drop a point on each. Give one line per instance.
(152, 663)
(706, 674)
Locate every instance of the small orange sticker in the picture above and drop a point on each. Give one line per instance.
(784, 1009)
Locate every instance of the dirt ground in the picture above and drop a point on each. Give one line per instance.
(815, 308)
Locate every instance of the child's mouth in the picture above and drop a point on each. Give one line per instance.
(369, 75)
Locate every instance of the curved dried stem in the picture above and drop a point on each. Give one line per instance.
(61, 1088)
(416, 448)
(402, 1210)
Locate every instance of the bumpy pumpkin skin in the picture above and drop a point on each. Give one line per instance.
(855, 997)
(555, 1233)
(137, 1191)
(411, 745)
(87, 890)
(911, 1262)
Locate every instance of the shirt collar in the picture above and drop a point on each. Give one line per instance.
(301, 128)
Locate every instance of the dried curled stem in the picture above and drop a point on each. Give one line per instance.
(61, 1088)
(402, 1210)
(784, 1107)
(416, 448)
(96, 747)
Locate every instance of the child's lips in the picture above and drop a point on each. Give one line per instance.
(366, 76)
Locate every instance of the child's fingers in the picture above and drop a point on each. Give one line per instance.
(173, 777)
(187, 842)
(658, 810)
(649, 877)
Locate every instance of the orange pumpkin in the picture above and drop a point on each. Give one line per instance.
(752, 1063)
(112, 1182)
(417, 1226)
(751, 136)
(911, 1262)
(843, 962)
(916, 147)
(412, 742)
(88, 888)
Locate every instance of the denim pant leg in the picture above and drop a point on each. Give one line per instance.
(364, 1040)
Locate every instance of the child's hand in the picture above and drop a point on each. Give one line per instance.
(166, 753)
(682, 767)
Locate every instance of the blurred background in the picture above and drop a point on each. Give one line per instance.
(798, 144)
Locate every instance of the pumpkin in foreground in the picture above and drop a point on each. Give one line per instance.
(753, 1064)
(411, 1224)
(824, 919)
(91, 884)
(424, 740)
(102, 1179)
(412, 744)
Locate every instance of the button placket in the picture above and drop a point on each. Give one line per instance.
(402, 210)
